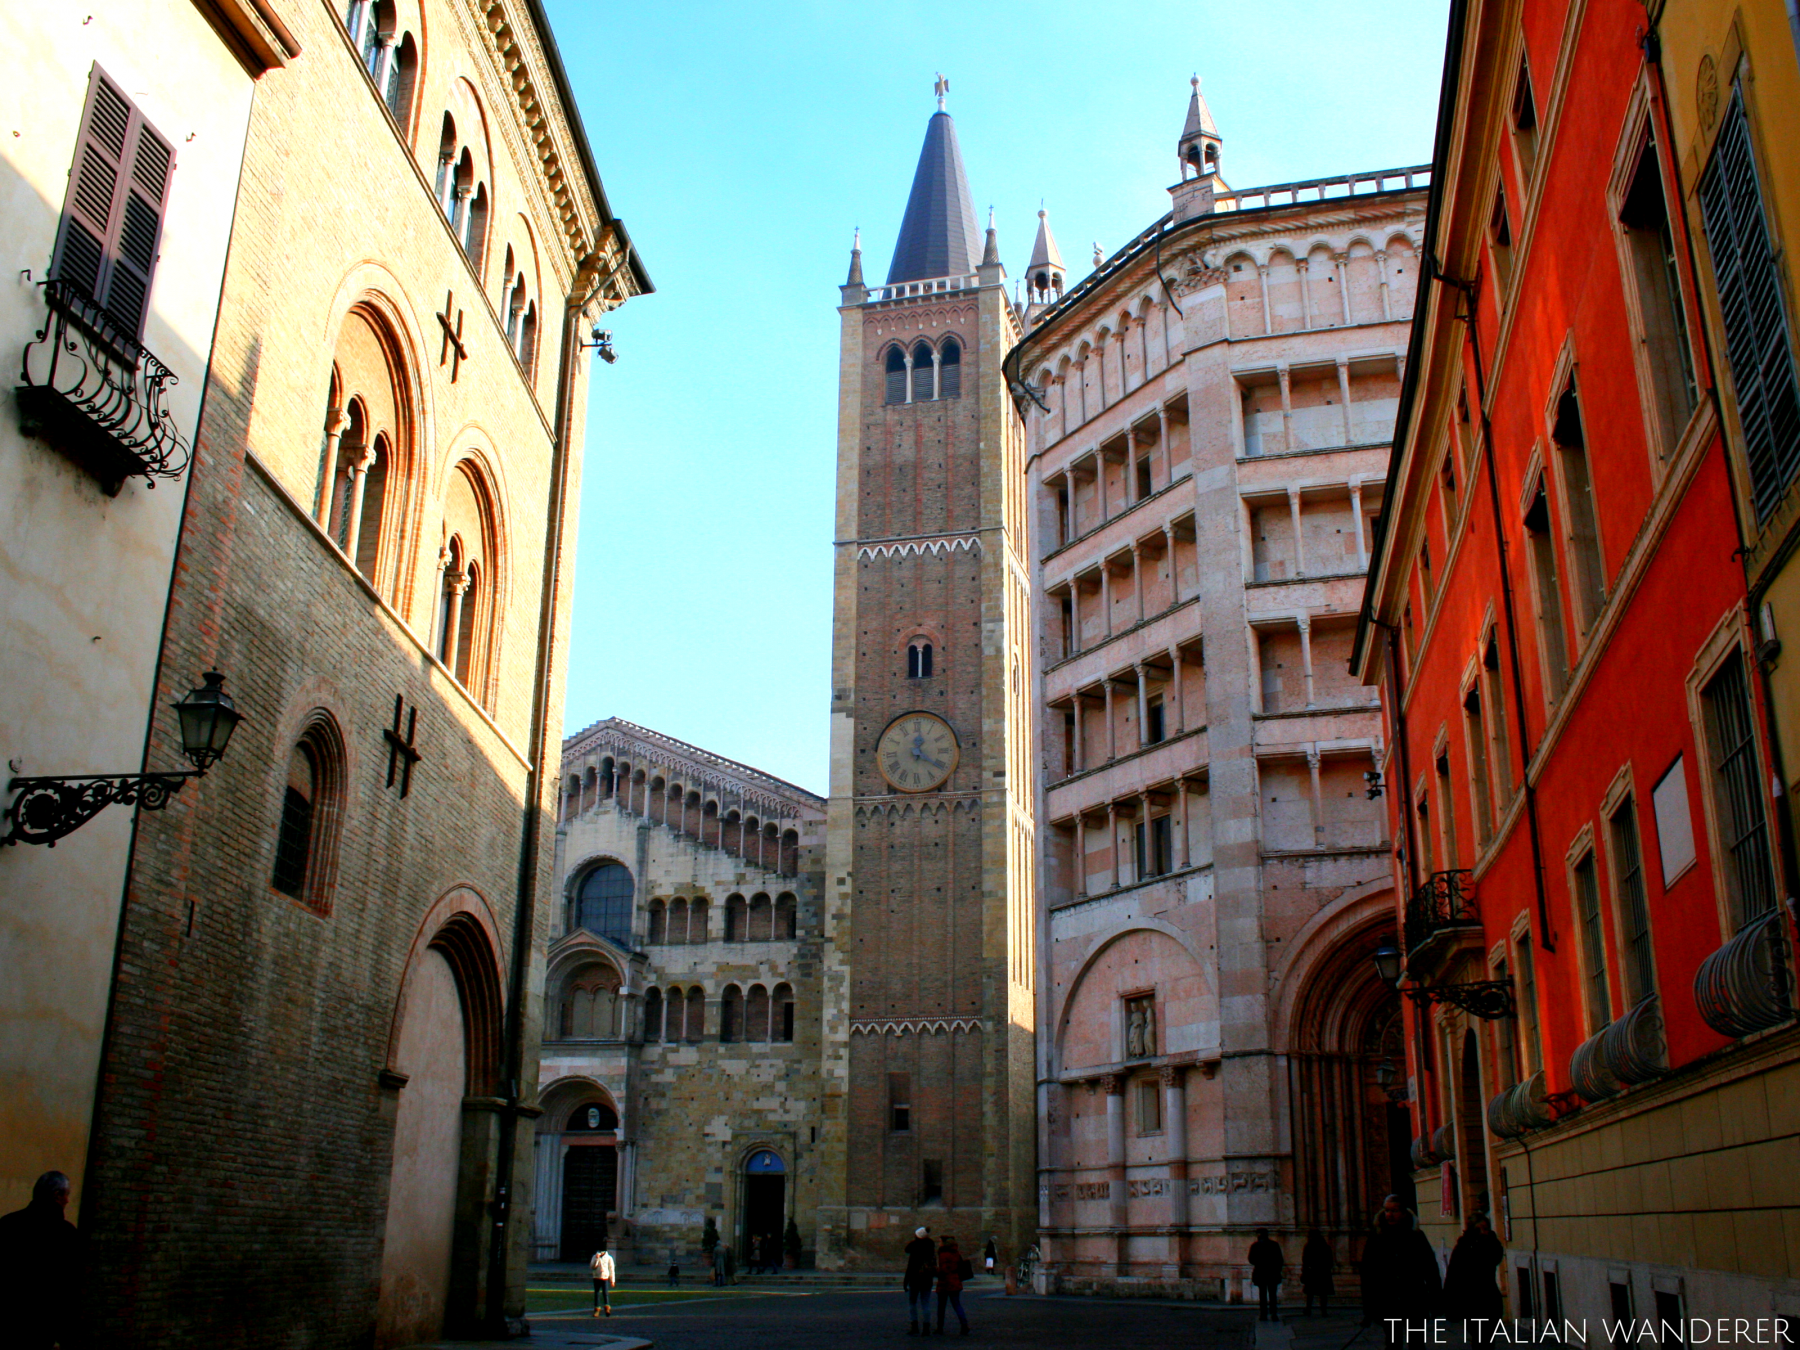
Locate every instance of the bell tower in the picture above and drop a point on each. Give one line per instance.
(931, 853)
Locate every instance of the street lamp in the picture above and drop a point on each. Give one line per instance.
(1388, 963)
(1489, 1000)
(1385, 1074)
(48, 808)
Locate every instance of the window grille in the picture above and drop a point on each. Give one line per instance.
(1757, 346)
(1634, 914)
(1737, 792)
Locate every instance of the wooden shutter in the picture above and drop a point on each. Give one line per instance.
(112, 218)
(1750, 300)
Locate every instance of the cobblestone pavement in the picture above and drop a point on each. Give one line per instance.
(855, 1318)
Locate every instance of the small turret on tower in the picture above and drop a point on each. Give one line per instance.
(1198, 150)
(1045, 275)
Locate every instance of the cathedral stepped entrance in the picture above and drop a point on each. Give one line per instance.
(765, 1198)
(590, 1190)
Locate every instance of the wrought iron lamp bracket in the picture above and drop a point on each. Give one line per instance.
(46, 809)
(1489, 1000)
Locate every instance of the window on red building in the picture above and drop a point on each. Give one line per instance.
(1637, 966)
(1742, 822)
(1526, 996)
(1585, 880)
(1654, 275)
(1499, 739)
(1525, 122)
(1546, 588)
(1447, 810)
(1588, 570)
(1506, 1036)
(1500, 243)
(1475, 734)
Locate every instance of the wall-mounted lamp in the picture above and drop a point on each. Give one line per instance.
(1385, 1074)
(1376, 787)
(46, 809)
(1489, 1000)
(602, 345)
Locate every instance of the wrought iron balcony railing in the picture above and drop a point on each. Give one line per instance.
(97, 394)
(1445, 900)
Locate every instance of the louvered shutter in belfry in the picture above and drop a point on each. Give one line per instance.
(1756, 331)
(112, 219)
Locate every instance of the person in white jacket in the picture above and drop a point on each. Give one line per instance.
(604, 1275)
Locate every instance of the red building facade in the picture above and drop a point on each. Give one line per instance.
(1577, 771)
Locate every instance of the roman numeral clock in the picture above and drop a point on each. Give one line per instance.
(917, 752)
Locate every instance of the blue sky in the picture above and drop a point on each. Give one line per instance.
(741, 144)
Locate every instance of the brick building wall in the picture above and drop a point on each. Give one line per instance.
(251, 1087)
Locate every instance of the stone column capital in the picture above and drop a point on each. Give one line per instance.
(1170, 1075)
(1113, 1084)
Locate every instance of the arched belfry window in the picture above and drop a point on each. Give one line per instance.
(924, 374)
(950, 370)
(896, 375)
(467, 589)
(402, 79)
(446, 179)
(918, 659)
(603, 902)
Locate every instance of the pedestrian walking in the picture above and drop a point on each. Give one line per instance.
(1316, 1262)
(40, 1269)
(674, 1269)
(952, 1269)
(921, 1270)
(771, 1253)
(605, 1272)
(989, 1255)
(1399, 1273)
(1471, 1292)
(1266, 1267)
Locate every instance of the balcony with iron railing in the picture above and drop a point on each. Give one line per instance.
(96, 394)
(1440, 918)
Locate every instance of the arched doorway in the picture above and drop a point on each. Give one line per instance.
(590, 1189)
(415, 1257)
(1350, 1138)
(765, 1197)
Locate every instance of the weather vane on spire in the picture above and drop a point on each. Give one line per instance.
(942, 87)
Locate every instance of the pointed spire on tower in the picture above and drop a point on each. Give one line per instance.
(990, 254)
(856, 277)
(938, 237)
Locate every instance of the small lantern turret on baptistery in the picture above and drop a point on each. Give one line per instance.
(1045, 276)
(1198, 150)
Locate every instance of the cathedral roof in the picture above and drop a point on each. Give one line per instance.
(938, 237)
(1044, 253)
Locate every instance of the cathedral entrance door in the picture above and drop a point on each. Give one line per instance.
(590, 1192)
(765, 1198)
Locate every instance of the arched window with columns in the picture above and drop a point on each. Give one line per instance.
(653, 1016)
(659, 931)
(590, 1006)
(678, 920)
(736, 916)
(762, 925)
(311, 815)
(894, 368)
(731, 1015)
(467, 600)
(366, 454)
(786, 917)
(950, 369)
(694, 1024)
(756, 1014)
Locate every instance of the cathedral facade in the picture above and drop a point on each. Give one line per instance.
(927, 994)
(1208, 418)
(679, 1074)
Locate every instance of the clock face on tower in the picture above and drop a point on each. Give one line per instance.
(917, 752)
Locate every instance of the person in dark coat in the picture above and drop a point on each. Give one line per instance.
(771, 1252)
(1399, 1273)
(921, 1270)
(40, 1269)
(1316, 1262)
(1266, 1267)
(952, 1269)
(1471, 1291)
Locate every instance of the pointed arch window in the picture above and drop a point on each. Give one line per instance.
(896, 375)
(950, 370)
(365, 456)
(924, 373)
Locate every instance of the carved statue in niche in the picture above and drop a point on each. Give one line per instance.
(1134, 1029)
(1149, 1027)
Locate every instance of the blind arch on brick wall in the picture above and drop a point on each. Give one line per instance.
(460, 927)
